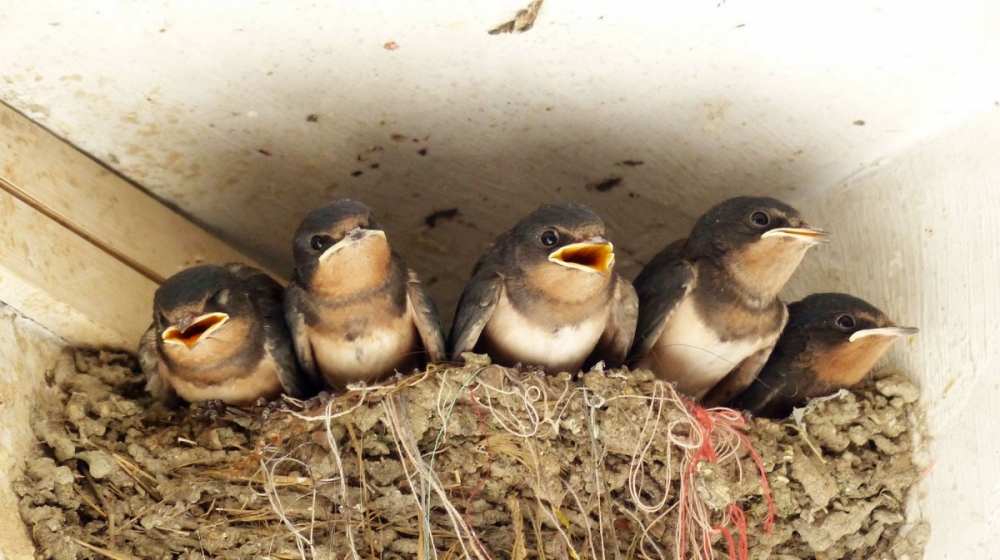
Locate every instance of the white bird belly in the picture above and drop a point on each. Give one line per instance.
(376, 353)
(690, 354)
(516, 339)
(235, 387)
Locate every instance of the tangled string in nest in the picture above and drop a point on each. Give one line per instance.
(478, 462)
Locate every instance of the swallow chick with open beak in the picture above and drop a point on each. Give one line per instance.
(831, 342)
(545, 293)
(356, 312)
(709, 312)
(219, 333)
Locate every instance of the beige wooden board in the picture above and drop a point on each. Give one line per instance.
(82, 250)
(27, 351)
(67, 284)
(100, 206)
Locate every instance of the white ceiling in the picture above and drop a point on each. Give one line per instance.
(246, 114)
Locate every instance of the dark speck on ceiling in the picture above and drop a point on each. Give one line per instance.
(606, 185)
(447, 214)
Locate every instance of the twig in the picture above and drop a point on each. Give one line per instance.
(104, 552)
(86, 499)
(345, 505)
(367, 526)
(109, 512)
(801, 430)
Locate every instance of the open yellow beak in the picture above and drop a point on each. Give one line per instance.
(191, 331)
(894, 332)
(812, 236)
(353, 237)
(592, 255)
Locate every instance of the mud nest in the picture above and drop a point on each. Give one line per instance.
(475, 462)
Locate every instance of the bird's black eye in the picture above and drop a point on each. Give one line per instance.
(550, 237)
(845, 322)
(319, 242)
(760, 219)
(220, 297)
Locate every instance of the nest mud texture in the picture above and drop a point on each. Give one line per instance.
(472, 462)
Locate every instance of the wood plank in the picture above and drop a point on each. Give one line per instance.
(82, 250)
(78, 192)
(67, 284)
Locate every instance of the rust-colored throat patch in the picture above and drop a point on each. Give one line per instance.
(590, 257)
(198, 329)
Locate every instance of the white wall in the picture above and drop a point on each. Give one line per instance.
(26, 352)
(716, 97)
(878, 118)
(918, 235)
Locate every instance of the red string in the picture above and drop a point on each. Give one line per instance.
(737, 421)
(707, 423)
(729, 541)
(765, 487)
(489, 458)
(707, 420)
(736, 516)
(705, 453)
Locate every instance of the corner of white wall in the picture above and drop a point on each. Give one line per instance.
(918, 236)
(26, 351)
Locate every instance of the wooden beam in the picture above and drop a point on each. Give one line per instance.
(73, 189)
(67, 284)
(81, 249)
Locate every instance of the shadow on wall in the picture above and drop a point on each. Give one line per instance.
(444, 189)
(917, 236)
(245, 131)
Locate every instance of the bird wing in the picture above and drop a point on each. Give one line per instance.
(294, 303)
(148, 359)
(660, 287)
(764, 397)
(475, 308)
(779, 388)
(786, 381)
(281, 346)
(617, 338)
(263, 289)
(741, 377)
(149, 362)
(268, 295)
(425, 317)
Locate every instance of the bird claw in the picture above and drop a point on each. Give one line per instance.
(208, 410)
(270, 408)
(320, 400)
(532, 369)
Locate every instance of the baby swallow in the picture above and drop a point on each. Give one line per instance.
(356, 312)
(545, 293)
(831, 342)
(219, 333)
(709, 311)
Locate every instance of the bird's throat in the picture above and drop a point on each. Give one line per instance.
(352, 270)
(763, 268)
